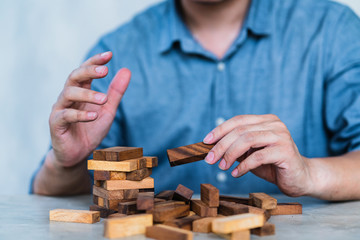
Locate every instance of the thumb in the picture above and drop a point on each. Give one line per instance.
(117, 89)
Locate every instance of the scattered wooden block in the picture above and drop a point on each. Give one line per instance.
(104, 212)
(183, 223)
(139, 175)
(151, 162)
(183, 193)
(128, 184)
(145, 201)
(188, 154)
(169, 203)
(128, 208)
(127, 226)
(203, 225)
(266, 230)
(116, 215)
(123, 166)
(209, 195)
(163, 213)
(163, 232)
(167, 194)
(264, 201)
(232, 208)
(78, 216)
(202, 210)
(287, 209)
(118, 153)
(237, 223)
(241, 200)
(238, 235)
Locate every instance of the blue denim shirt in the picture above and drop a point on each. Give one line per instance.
(297, 59)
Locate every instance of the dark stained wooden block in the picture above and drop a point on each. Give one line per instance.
(138, 175)
(128, 208)
(183, 193)
(167, 194)
(109, 175)
(104, 212)
(266, 230)
(169, 203)
(163, 213)
(202, 210)
(262, 200)
(183, 223)
(241, 200)
(188, 154)
(111, 195)
(163, 232)
(118, 153)
(209, 195)
(151, 162)
(287, 209)
(231, 208)
(145, 201)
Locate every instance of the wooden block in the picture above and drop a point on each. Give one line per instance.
(287, 209)
(183, 193)
(127, 226)
(128, 184)
(163, 213)
(98, 201)
(203, 225)
(156, 200)
(145, 201)
(123, 166)
(266, 230)
(264, 201)
(209, 195)
(109, 175)
(130, 193)
(118, 153)
(104, 212)
(188, 154)
(238, 235)
(163, 232)
(128, 208)
(202, 210)
(138, 175)
(151, 162)
(114, 194)
(116, 215)
(237, 223)
(231, 208)
(191, 213)
(241, 200)
(167, 194)
(106, 203)
(183, 223)
(169, 203)
(78, 216)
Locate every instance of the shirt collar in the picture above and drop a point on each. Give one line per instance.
(174, 29)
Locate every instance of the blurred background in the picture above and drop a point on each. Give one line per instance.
(41, 42)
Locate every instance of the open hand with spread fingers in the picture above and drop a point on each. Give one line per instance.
(263, 145)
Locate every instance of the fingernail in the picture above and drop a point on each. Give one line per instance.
(91, 115)
(208, 137)
(100, 69)
(235, 173)
(105, 54)
(222, 164)
(100, 97)
(209, 158)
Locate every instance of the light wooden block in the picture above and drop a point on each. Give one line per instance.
(163, 232)
(239, 235)
(123, 166)
(151, 162)
(237, 223)
(203, 225)
(264, 201)
(127, 226)
(78, 216)
(287, 209)
(128, 184)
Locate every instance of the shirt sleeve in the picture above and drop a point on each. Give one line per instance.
(342, 85)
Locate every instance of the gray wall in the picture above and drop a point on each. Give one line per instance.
(41, 42)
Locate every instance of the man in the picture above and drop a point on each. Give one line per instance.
(284, 74)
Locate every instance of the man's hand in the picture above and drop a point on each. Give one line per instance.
(263, 145)
(81, 118)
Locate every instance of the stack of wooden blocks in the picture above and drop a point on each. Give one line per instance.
(121, 176)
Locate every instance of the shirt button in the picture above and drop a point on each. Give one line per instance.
(221, 177)
(221, 66)
(219, 121)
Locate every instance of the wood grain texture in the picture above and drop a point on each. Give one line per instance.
(138, 175)
(123, 166)
(77, 216)
(109, 175)
(164, 213)
(262, 200)
(114, 194)
(183, 223)
(127, 226)
(238, 235)
(188, 154)
(232, 208)
(116, 215)
(128, 184)
(209, 195)
(167, 194)
(169, 203)
(287, 209)
(202, 210)
(145, 201)
(163, 232)
(104, 212)
(237, 223)
(183, 193)
(203, 225)
(118, 153)
(151, 162)
(241, 200)
(106, 203)
(267, 230)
